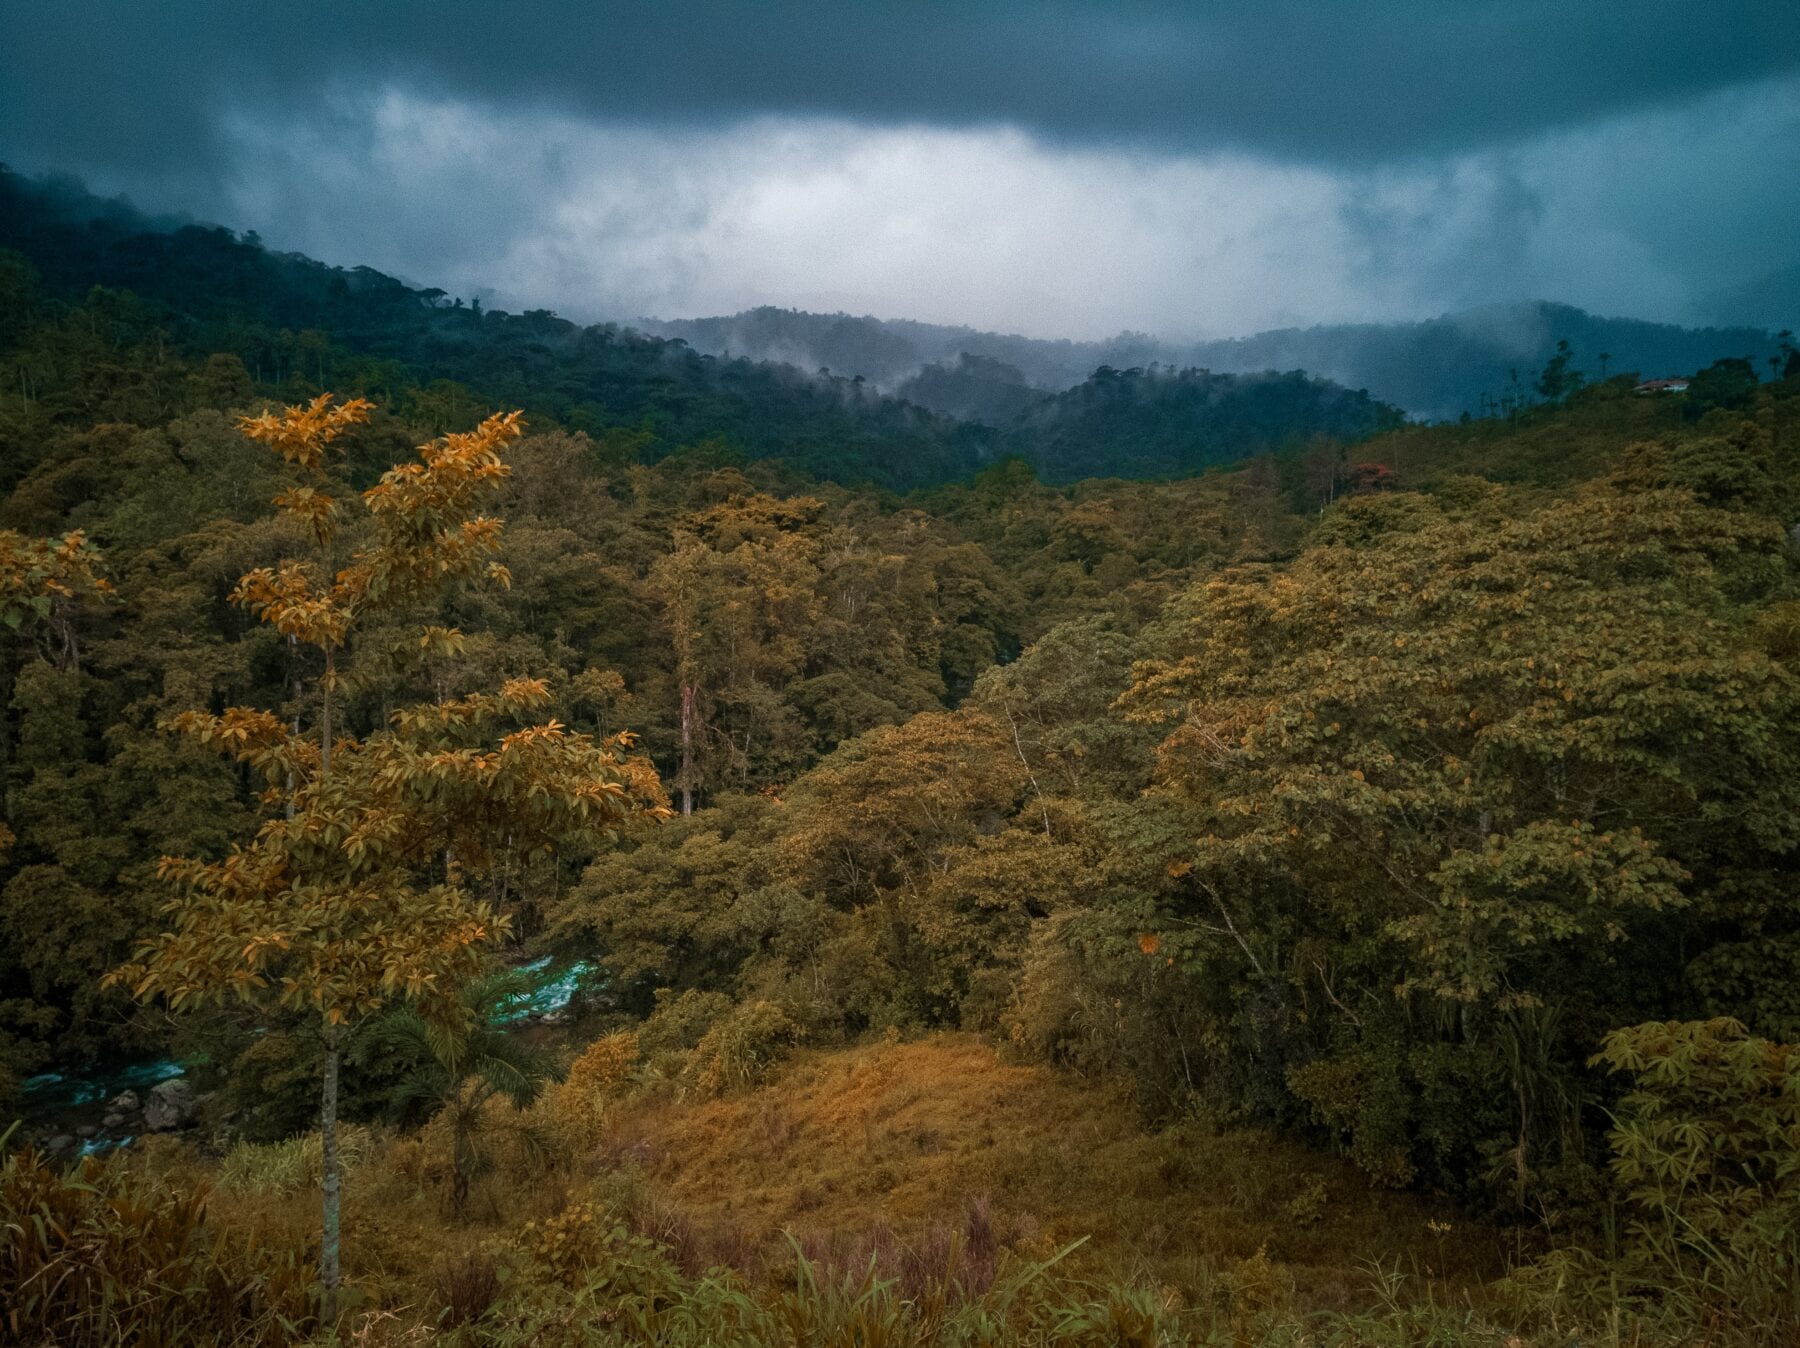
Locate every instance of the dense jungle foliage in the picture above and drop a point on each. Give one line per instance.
(1432, 802)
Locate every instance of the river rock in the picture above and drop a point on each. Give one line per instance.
(86, 1131)
(171, 1105)
(112, 1121)
(60, 1143)
(126, 1102)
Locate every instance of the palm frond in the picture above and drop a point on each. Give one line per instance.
(402, 1032)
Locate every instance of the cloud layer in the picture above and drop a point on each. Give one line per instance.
(1049, 168)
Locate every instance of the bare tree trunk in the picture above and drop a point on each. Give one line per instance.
(332, 1182)
(462, 1159)
(687, 747)
(1030, 776)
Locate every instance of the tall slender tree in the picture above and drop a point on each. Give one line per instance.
(359, 888)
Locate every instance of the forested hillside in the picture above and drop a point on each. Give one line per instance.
(204, 291)
(283, 316)
(1168, 423)
(1426, 804)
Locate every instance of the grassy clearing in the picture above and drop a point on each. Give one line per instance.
(905, 1137)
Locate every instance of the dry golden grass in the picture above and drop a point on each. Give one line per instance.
(906, 1135)
(889, 1147)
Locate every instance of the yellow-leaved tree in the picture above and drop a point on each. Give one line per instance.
(360, 888)
(42, 581)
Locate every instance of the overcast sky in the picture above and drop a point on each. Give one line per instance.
(1059, 169)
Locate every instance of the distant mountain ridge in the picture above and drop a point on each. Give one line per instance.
(1436, 368)
(298, 326)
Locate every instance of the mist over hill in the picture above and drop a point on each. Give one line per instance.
(1437, 368)
(1771, 299)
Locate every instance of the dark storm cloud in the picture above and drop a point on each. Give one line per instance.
(1052, 167)
(109, 82)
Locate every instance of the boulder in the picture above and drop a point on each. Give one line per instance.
(126, 1102)
(171, 1105)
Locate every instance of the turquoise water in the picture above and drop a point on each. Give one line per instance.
(56, 1095)
(553, 994)
(49, 1092)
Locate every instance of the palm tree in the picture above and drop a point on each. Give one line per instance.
(461, 1070)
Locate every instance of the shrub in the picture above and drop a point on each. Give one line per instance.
(576, 1106)
(742, 1046)
(587, 1246)
(679, 1023)
(605, 1064)
(1706, 1157)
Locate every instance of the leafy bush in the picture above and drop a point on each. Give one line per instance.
(604, 1064)
(679, 1023)
(742, 1046)
(1706, 1157)
(575, 1106)
(589, 1247)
